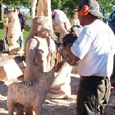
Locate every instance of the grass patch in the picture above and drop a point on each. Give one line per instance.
(26, 32)
(1, 29)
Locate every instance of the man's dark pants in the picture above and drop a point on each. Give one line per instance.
(93, 95)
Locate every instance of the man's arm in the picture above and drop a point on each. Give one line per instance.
(65, 25)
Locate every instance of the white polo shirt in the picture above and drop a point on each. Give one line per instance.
(95, 47)
(60, 19)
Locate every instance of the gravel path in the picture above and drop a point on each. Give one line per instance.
(59, 106)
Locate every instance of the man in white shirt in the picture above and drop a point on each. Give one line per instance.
(94, 51)
(61, 86)
(61, 23)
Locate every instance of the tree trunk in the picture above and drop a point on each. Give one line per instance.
(1, 11)
(44, 8)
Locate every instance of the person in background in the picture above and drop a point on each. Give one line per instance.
(61, 85)
(111, 23)
(75, 20)
(61, 23)
(94, 51)
(22, 20)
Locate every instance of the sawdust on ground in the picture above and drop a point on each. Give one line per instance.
(59, 106)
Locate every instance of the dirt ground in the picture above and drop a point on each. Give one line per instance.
(59, 106)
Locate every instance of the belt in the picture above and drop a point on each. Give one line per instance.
(93, 77)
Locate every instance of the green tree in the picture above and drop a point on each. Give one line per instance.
(66, 5)
(107, 5)
(15, 3)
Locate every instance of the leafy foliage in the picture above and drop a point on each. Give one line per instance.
(15, 3)
(107, 5)
(66, 5)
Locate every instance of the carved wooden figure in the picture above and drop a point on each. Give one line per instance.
(13, 29)
(39, 73)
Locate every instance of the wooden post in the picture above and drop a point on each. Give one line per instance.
(9, 70)
(33, 8)
(44, 8)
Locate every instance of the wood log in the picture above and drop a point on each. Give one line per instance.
(9, 70)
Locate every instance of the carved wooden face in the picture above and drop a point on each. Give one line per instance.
(38, 24)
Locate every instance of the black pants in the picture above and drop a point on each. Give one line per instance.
(93, 95)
